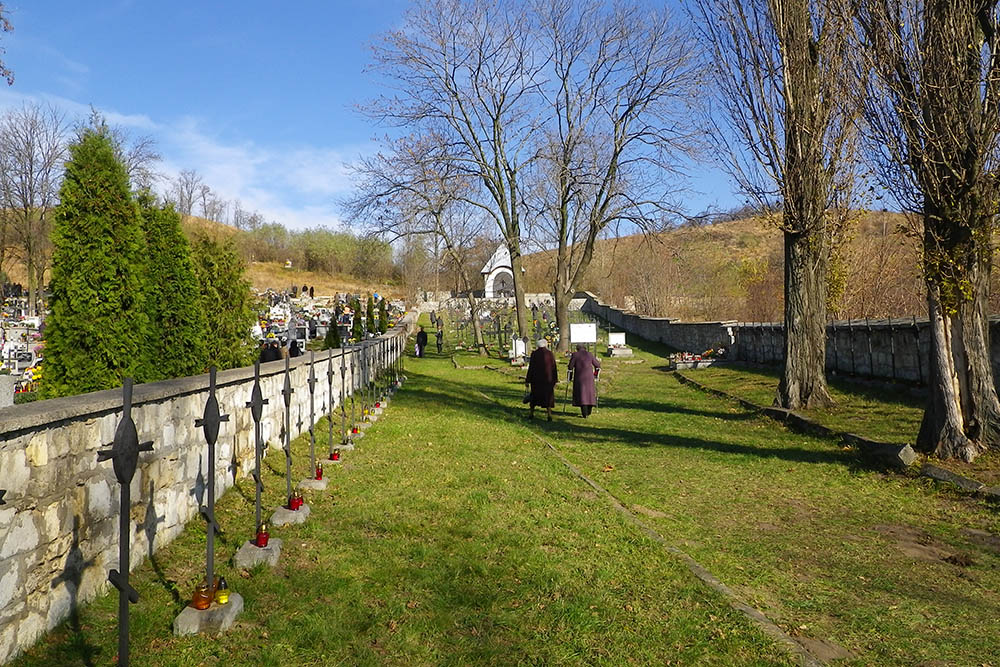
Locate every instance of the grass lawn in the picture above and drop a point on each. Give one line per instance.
(452, 535)
(872, 412)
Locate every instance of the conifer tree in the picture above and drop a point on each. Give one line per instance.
(226, 302)
(357, 330)
(370, 315)
(175, 341)
(94, 337)
(383, 317)
(332, 339)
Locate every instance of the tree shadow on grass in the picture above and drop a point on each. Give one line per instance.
(457, 395)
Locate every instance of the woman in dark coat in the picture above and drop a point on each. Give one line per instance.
(542, 377)
(584, 366)
(421, 342)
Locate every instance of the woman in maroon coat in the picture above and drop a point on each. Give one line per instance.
(584, 366)
(542, 377)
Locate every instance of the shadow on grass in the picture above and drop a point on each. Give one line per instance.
(72, 577)
(435, 392)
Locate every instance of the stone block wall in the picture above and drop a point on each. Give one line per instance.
(59, 526)
(693, 337)
(894, 350)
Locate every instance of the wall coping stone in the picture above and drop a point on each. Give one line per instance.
(30, 416)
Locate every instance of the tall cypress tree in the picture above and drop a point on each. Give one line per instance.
(357, 330)
(95, 335)
(226, 301)
(332, 340)
(383, 317)
(175, 341)
(370, 315)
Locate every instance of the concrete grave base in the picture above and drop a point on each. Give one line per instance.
(250, 554)
(619, 352)
(344, 447)
(359, 434)
(315, 484)
(376, 412)
(217, 618)
(283, 516)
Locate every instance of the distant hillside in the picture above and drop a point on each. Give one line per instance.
(734, 270)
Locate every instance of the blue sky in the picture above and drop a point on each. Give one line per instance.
(255, 96)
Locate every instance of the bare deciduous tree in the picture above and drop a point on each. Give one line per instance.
(5, 26)
(32, 148)
(780, 70)
(415, 189)
(618, 89)
(184, 191)
(930, 84)
(469, 71)
(212, 206)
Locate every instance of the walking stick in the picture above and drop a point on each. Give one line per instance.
(597, 376)
(569, 381)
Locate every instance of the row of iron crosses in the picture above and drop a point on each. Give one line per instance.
(379, 367)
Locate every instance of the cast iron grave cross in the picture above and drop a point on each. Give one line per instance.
(209, 422)
(124, 455)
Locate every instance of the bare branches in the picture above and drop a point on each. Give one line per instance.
(32, 149)
(780, 69)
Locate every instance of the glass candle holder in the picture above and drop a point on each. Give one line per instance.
(263, 536)
(222, 591)
(336, 455)
(202, 598)
(319, 471)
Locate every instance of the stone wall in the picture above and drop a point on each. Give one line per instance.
(895, 350)
(684, 336)
(59, 526)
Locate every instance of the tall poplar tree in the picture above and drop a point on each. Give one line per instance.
(176, 339)
(95, 335)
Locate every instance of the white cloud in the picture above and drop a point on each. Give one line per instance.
(295, 185)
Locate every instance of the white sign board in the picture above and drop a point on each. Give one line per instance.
(583, 333)
(616, 339)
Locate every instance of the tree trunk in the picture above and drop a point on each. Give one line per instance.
(40, 287)
(803, 380)
(515, 265)
(562, 319)
(477, 328)
(983, 412)
(30, 270)
(942, 431)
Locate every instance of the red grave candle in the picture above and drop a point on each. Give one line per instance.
(262, 536)
(319, 471)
